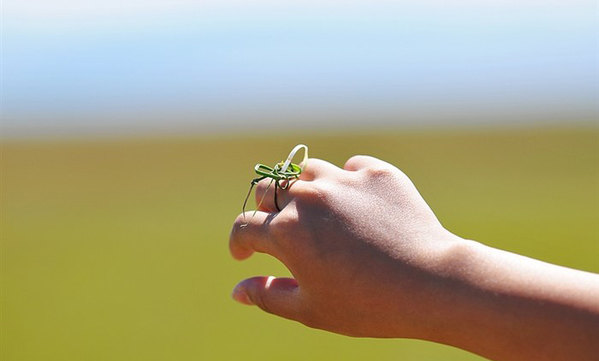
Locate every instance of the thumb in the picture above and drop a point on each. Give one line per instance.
(279, 296)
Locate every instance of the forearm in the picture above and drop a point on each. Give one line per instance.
(509, 307)
(369, 258)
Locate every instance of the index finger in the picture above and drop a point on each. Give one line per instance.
(251, 233)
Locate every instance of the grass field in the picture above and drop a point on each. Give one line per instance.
(117, 249)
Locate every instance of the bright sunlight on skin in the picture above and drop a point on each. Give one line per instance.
(369, 258)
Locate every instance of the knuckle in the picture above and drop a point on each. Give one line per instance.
(356, 159)
(379, 172)
(239, 221)
(308, 192)
(237, 238)
(233, 236)
(314, 192)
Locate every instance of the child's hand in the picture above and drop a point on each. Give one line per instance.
(363, 246)
(370, 258)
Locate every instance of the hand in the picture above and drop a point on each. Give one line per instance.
(369, 258)
(363, 246)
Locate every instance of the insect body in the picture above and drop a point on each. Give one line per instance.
(281, 175)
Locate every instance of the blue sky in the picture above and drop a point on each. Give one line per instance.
(217, 64)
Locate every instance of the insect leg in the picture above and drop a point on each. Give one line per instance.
(264, 195)
(277, 186)
(252, 184)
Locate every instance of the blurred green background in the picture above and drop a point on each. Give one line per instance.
(129, 131)
(116, 249)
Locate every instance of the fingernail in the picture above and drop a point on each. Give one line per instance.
(240, 295)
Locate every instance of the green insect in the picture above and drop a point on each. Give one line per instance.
(282, 174)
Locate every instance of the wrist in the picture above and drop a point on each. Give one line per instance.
(434, 290)
(456, 302)
(449, 290)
